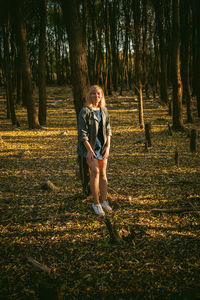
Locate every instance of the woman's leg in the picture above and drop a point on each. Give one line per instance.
(103, 182)
(94, 179)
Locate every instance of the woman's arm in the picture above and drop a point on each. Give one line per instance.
(90, 152)
(106, 150)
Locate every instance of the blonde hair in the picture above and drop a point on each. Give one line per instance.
(102, 102)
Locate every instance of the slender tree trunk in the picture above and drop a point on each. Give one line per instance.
(124, 72)
(176, 75)
(19, 81)
(197, 85)
(195, 81)
(42, 64)
(108, 79)
(185, 55)
(144, 46)
(159, 8)
(138, 60)
(9, 85)
(113, 28)
(27, 80)
(93, 40)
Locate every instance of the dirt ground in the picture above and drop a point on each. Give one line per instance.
(159, 260)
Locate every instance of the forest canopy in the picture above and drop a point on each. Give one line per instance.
(143, 45)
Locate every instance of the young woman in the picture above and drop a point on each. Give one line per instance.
(94, 135)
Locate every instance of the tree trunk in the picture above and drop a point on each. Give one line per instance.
(108, 78)
(19, 81)
(78, 56)
(176, 75)
(185, 55)
(79, 68)
(42, 64)
(159, 8)
(138, 60)
(27, 80)
(197, 78)
(8, 71)
(124, 72)
(114, 43)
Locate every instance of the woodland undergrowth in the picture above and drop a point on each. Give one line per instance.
(58, 228)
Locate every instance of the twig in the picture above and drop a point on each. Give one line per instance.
(194, 208)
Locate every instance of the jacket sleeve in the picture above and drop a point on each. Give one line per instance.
(82, 126)
(108, 127)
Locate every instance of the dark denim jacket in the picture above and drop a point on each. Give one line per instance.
(88, 128)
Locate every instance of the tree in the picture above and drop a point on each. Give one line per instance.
(159, 13)
(176, 75)
(8, 71)
(78, 54)
(79, 68)
(42, 64)
(138, 58)
(196, 52)
(27, 78)
(185, 55)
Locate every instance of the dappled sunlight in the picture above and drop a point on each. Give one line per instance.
(58, 228)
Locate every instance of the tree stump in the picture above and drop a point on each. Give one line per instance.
(114, 235)
(176, 158)
(193, 145)
(148, 134)
(170, 130)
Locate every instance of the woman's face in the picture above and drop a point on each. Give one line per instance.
(95, 97)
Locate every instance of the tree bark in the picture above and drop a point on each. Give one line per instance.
(42, 64)
(27, 78)
(176, 75)
(159, 8)
(8, 71)
(197, 78)
(79, 67)
(114, 43)
(108, 78)
(138, 61)
(185, 55)
(78, 55)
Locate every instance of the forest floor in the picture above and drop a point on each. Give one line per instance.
(59, 229)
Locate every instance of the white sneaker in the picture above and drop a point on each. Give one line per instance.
(106, 206)
(98, 209)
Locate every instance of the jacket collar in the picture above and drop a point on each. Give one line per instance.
(92, 111)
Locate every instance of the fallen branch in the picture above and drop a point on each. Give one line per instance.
(49, 186)
(50, 287)
(39, 266)
(173, 210)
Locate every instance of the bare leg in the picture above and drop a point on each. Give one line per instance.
(103, 182)
(94, 179)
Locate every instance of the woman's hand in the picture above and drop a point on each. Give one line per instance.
(106, 152)
(90, 155)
